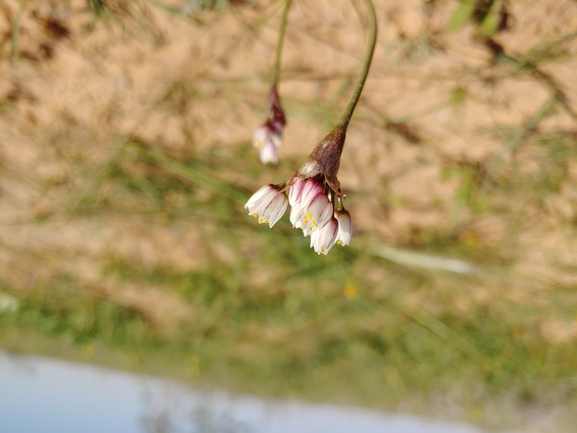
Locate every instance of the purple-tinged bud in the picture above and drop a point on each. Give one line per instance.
(270, 134)
(276, 113)
(325, 159)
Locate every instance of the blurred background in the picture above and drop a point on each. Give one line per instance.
(126, 160)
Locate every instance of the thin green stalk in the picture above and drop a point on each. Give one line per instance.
(350, 108)
(279, 45)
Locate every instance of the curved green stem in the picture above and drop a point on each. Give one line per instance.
(350, 108)
(279, 45)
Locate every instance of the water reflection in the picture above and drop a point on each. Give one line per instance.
(46, 395)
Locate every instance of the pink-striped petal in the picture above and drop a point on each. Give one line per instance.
(322, 240)
(267, 190)
(317, 214)
(277, 209)
(295, 191)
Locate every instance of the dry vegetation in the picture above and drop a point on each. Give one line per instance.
(125, 161)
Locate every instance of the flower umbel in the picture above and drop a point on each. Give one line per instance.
(268, 137)
(314, 195)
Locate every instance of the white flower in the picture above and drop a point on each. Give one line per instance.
(313, 191)
(311, 207)
(318, 212)
(345, 227)
(300, 195)
(323, 239)
(268, 139)
(268, 204)
(270, 132)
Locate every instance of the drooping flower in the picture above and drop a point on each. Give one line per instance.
(345, 227)
(268, 137)
(323, 239)
(315, 197)
(268, 204)
(311, 208)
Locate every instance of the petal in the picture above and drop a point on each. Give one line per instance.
(261, 136)
(265, 208)
(311, 189)
(296, 215)
(276, 129)
(259, 195)
(276, 139)
(323, 239)
(345, 227)
(317, 214)
(277, 208)
(268, 153)
(295, 191)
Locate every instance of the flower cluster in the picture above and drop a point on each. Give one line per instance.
(319, 212)
(315, 198)
(268, 137)
(313, 191)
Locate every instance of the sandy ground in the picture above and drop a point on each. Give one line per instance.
(74, 86)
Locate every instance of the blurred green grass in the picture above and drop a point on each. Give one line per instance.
(349, 327)
(352, 327)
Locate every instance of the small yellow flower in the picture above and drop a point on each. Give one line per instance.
(351, 292)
